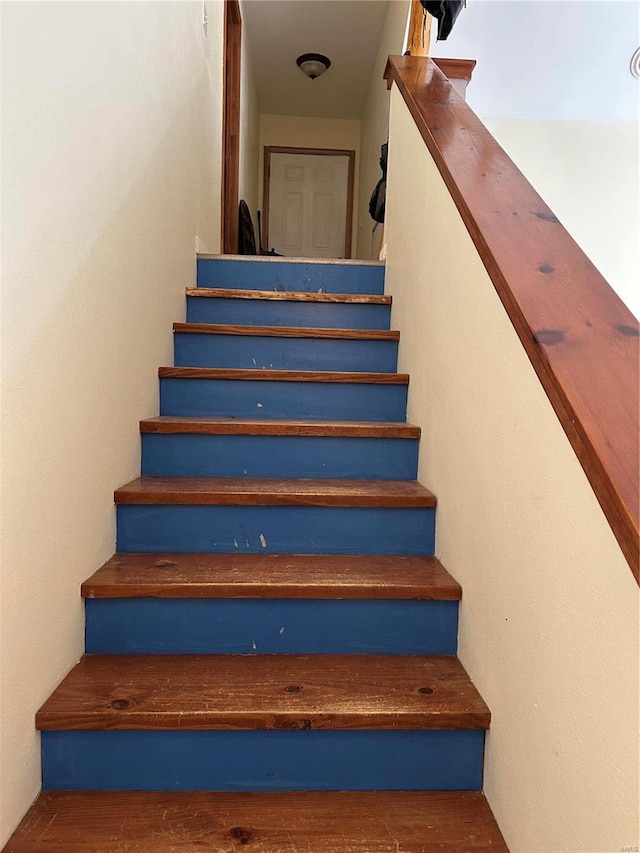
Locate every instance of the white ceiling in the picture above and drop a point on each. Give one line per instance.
(347, 31)
(559, 59)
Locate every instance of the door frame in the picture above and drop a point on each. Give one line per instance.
(231, 127)
(327, 152)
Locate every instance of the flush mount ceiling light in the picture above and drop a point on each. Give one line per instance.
(313, 64)
(635, 64)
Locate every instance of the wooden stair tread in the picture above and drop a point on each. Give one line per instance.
(269, 491)
(285, 331)
(265, 692)
(287, 295)
(369, 822)
(283, 375)
(233, 426)
(281, 259)
(271, 576)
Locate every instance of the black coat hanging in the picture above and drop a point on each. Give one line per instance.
(446, 11)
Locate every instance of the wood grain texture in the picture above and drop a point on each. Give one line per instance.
(267, 491)
(272, 576)
(236, 426)
(419, 36)
(284, 375)
(270, 259)
(146, 822)
(286, 295)
(456, 69)
(232, 65)
(580, 337)
(285, 331)
(209, 692)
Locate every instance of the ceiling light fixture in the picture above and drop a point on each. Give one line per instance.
(313, 64)
(635, 64)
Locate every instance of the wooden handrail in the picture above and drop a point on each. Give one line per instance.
(580, 337)
(456, 69)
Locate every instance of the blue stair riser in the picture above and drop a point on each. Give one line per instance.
(267, 312)
(252, 351)
(275, 530)
(285, 275)
(269, 626)
(282, 400)
(182, 455)
(262, 760)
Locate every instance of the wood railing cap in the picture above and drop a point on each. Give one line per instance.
(455, 69)
(580, 337)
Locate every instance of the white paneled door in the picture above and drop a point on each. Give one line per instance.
(308, 203)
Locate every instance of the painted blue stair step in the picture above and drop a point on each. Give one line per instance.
(264, 722)
(218, 691)
(262, 760)
(288, 274)
(218, 306)
(200, 455)
(194, 346)
(201, 603)
(275, 515)
(173, 446)
(275, 530)
(269, 626)
(282, 394)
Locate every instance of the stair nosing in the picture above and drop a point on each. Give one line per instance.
(337, 377)
(290, 576)
(272, 491)
(277, 259)
(176, 425)
(242, 692)
(285, 331)
(288, 295)
(411, 821)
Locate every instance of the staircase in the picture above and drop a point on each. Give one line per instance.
(270, 655)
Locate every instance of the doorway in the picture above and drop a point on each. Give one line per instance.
(231, 126)
(308, 201)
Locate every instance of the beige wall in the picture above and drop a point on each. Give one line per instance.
(111, 121)
(587, 172)
(375, 124)
(549, 617)
(249, 137)
(304, 132)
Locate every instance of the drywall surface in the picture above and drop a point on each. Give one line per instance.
(549, 617)
(566, 60)
(111, 139)
(249, 135)
(570, 122)
(305, 132)
(375, 125)
(587, 172)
